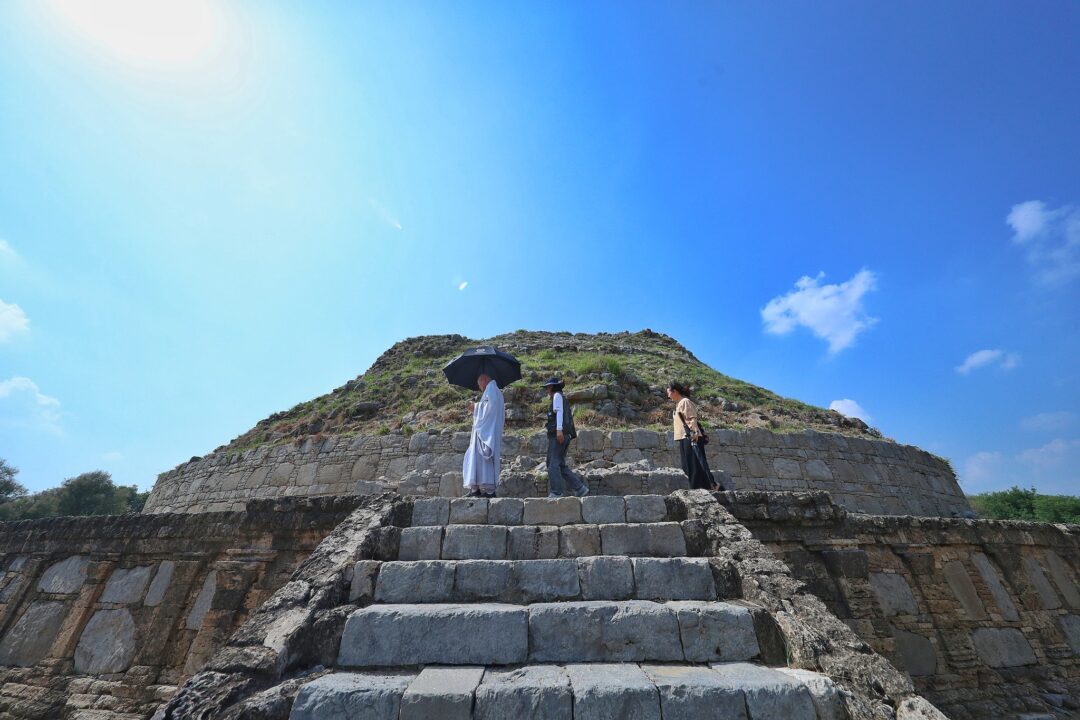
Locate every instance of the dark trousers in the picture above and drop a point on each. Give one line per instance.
(692, 464)
(559, 475)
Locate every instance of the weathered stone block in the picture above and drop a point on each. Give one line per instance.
(429, 581)
(673, 579)
(997, 589)
(529, 542)
(769, 694)
(107, 643)
(431, 511)
(474, 542)
(553, 511)
(443, 693)
(469, 511)
(546, 580)
(590, 440)
(606, 578)
(505, 511)
(202, 602)
(645, 509)
(534, 692)
(613, 692)
(66, 576)
(648, 539)
(964, 590)
(1047, 594)
(160, 584)
(481, 579)
(1070, 628)
(127, 585)
(716, 631)
(689, 692)
(600, 631)
(363, 580)
(30, 639)
(893, 594)
(1062, 576)
(403, 635)
(579, 541)
(1003, 647)
(827, 700)
(603, 509)
(787, 469)
(373, 696)
(916, 652)
(420, 543)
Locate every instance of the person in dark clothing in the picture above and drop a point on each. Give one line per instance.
(688, 435)
(560, 431)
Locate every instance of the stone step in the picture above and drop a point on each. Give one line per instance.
(545, 542)
(532, 581)
(600, 691)
(409, 635)
(595, 510)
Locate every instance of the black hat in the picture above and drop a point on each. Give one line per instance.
(556, 382)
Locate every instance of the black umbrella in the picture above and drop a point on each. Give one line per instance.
(500, 366)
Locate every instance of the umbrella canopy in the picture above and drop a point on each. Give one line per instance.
(500, 366)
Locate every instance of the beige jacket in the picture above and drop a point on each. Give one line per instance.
(689, 411)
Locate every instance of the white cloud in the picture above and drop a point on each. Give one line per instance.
(981, 469)
(982, 358)
(6, 250)
(12, 320)
(35, 407)
(1048, 421)
(1049, 456)
(463, 285)
(1051, 238)
(833, 313)
(850, 408)
(113, 456)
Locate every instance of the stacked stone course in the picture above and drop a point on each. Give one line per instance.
(983, 615)
(108, 615)
(868, 476)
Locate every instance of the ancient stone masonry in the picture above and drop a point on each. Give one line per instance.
(598, 609)
(983, 615)
(869, 476)
(109, 614)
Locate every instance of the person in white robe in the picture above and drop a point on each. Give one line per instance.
(481, 466)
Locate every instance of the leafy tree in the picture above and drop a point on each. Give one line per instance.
(1018, 504)
(10, 488)
(92, 493)
(1011, 504)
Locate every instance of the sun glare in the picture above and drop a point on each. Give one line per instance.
(160, 34)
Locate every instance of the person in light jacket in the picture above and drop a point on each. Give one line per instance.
(688, 436)
(560, 431)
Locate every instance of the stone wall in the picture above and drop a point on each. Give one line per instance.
(867, 476)
(984, 615)
(111, 614)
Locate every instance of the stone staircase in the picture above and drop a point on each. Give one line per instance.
(603, 607)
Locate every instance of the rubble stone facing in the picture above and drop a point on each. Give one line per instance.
(870, 476)
(94, 610)
(976, 611)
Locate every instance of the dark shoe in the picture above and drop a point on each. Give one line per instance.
(582, 492)
(475, 493)
(489, 495)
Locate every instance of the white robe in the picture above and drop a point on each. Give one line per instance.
(481, 467)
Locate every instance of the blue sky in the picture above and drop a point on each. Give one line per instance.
(210, 212)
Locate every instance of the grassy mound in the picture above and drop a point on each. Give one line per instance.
(613, 381)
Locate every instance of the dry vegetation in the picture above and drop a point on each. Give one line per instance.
(613, 381)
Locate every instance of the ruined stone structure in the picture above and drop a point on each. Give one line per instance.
(863, 475)
(342, 576)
